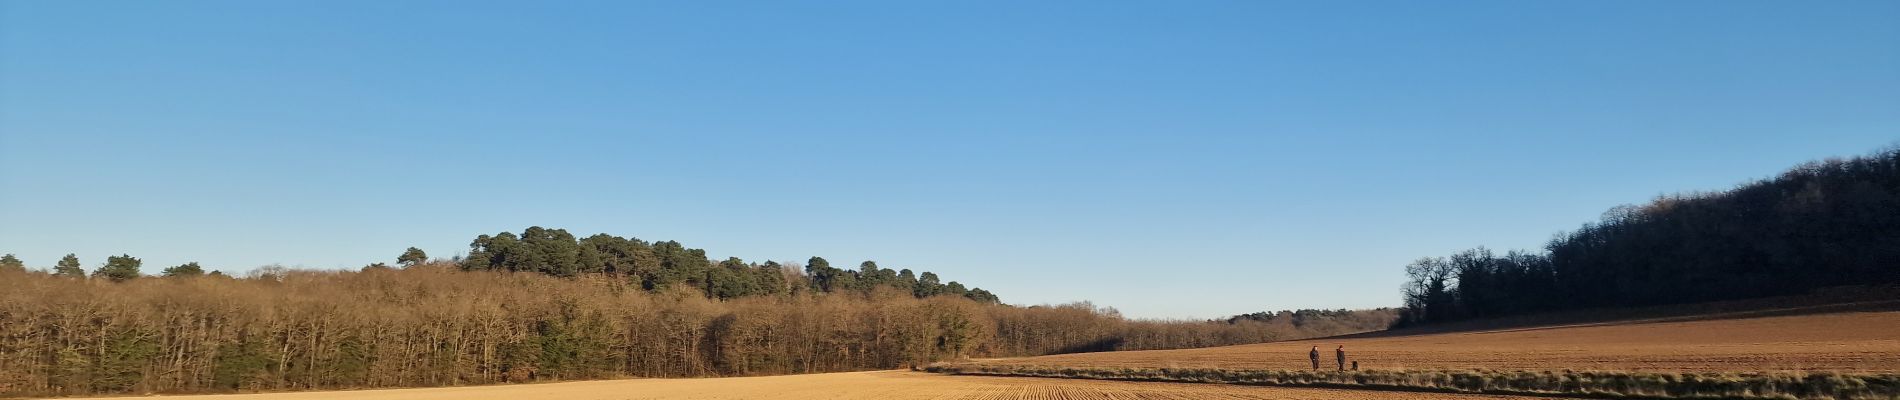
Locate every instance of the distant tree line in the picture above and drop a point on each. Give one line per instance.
(1344, 321)
(1827, 223)
(663, 265)
(116, 268)
(425, 322)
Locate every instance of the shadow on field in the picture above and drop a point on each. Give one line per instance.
(1836, 300)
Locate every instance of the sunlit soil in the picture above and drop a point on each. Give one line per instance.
(851, 385)
(1843, 342)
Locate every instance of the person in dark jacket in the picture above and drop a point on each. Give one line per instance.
(1314, 355)
(1341, 353)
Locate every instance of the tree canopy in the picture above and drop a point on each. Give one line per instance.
(68, 266)
(669, 264)
(411, 257)
(11, 263)
(119, 268)
(189, 269)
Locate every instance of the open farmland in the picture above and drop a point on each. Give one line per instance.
(854, 385)
(1860, 341)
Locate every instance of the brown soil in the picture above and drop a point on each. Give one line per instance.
(1842, 341)
(854, 385)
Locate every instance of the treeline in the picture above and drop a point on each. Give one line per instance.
(1326, 322)
(1821, 224)
(435, 324)
(1083, 327)
(666, 264)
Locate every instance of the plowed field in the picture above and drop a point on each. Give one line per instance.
(854, 385)
(1844, 341)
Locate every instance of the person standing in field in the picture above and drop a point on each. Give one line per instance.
(1314, 355)
(1341, 353)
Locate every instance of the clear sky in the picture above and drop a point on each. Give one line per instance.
(1167, 158)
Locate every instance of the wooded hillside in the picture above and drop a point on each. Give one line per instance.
(1827, 223)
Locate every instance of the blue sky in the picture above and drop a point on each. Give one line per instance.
(1170, 159)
